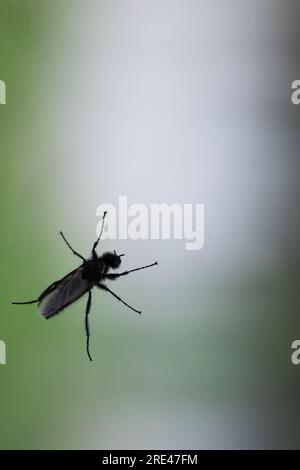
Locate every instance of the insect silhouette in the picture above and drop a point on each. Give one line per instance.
(91, 273)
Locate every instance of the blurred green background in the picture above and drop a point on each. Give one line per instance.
(162, 101)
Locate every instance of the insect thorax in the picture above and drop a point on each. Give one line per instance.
(93, 270)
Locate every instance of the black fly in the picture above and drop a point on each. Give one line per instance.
(91, 273)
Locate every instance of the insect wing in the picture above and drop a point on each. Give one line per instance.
(63, 293)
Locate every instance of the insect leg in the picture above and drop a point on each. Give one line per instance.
(104, 287)
(87, 327)
(98, 239)
(73, 251)
(27, 302)
(116, 275)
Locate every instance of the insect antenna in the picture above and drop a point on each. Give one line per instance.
(101, 231)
